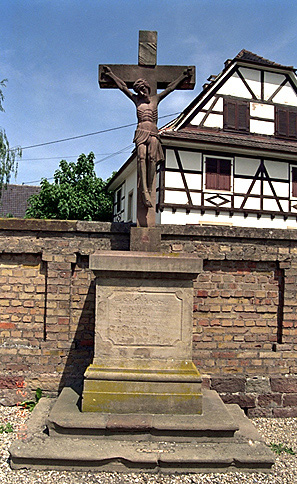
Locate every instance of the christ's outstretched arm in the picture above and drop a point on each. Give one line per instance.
(119, 82)
(173, 85)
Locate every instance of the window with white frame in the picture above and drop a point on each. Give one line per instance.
(217, 173)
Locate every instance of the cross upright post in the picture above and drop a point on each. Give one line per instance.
(146, 78)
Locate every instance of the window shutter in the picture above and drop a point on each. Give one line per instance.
(243, 116)
(236, 115)
(218, 174)
(292, 124)
(229, 114)
(286, 122)
(282, 122)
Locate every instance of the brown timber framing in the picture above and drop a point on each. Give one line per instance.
(210, 110)
(260, 175)
(262, 85)
(235, 68)
(207, 97)
(179, 163)
(245, 83)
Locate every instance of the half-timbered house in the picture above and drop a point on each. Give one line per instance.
(231, 155)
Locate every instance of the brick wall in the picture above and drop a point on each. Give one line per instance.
(244, 325)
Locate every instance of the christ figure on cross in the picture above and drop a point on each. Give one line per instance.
(146, 139)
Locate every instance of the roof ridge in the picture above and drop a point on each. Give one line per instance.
(247, 55)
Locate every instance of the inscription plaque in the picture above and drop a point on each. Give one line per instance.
(137, 319)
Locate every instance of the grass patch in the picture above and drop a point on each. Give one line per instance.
(280, 448)
(7, 429)
(31, 404)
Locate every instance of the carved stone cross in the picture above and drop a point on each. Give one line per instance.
(157, 76)
(150, 77)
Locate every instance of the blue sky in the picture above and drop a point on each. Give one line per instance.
(50, 51)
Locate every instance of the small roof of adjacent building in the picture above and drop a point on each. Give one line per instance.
(14, 199)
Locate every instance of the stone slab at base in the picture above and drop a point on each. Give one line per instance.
(111, 446)
(138, 386)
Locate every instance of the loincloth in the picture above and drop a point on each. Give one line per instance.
(142, 137)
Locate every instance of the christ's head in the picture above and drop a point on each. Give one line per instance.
(142, 87)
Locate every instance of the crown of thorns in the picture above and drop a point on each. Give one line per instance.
(139, 84)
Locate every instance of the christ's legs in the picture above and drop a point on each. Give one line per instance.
(152, 161)
(141, 160)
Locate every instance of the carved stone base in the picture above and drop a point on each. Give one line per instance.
(157, 387)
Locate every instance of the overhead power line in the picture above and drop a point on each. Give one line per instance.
(88, 134)
(96, 163)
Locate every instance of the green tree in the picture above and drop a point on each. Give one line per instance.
(76, 194)
(8, 157)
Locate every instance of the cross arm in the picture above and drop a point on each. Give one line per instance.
(159, 77)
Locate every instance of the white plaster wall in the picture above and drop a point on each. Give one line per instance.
(196, 198)
(286, 96)
(270, 204)
(214, 121)
(261, 127)
(208, 104)
(193, 180)
(253, 79)
(281, 189)
(271, 83)
(242, 185)
(208, 203)
(175, 197)
(130, 184)
(262, 110)
(250, 204)
(173, 180)
(234, 87)
(179, 217)
(246, 166)
(197, 119)
(285, 205)
(238, 220)
(266, 188)
(219, 106)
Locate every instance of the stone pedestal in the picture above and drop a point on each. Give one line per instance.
(143, 335)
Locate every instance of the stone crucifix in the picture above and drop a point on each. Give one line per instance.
(145, 78)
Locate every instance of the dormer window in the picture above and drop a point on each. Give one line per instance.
(286, 122)
(236, 115)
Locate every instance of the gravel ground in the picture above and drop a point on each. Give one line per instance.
(281, 430)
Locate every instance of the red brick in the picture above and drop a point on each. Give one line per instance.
(230, 384)
(7, 326)
(63, 320)
(241, 399)
(202, 293)
(284, 412)
(290, 400)
(283, 384)
(269, 400)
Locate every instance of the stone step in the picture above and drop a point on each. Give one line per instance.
(67, 419)
(139, 456)
(243, 450)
